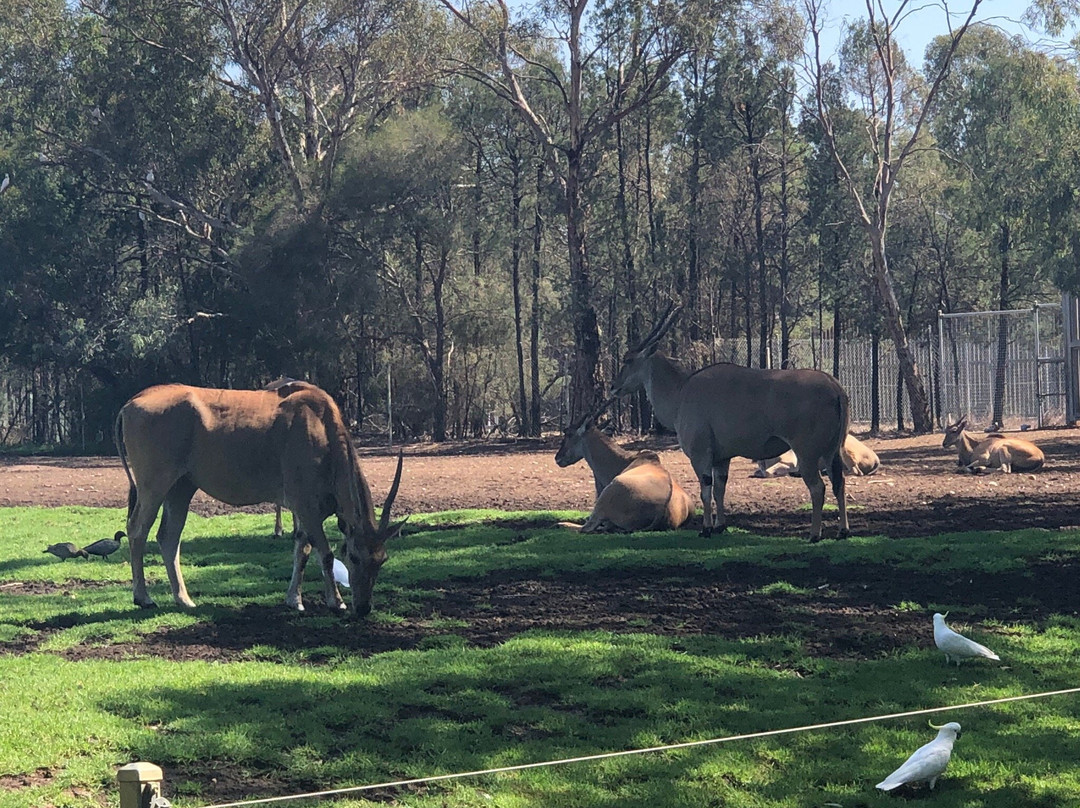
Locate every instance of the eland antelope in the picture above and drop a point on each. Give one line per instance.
(992, 451)
(725, 411)
(243, 447)
(859, 461)
(633, 490)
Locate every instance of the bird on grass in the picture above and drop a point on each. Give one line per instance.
(341, 574)
(957, 646)
(105, 547)
(65, 550)
(928, 762)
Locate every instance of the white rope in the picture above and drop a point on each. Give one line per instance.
(626, 752)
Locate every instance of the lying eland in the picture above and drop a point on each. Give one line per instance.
(633, 490)
(289, 445)
(859, 461)
(992, 451)
(723, 411)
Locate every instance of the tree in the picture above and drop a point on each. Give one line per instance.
(895, 108)
(1008, 114)
(655, 37)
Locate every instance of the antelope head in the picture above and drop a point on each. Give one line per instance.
(365, 548)
(952, 433)
(634, 372)
(572, 448)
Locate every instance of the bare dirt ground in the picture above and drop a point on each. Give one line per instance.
(916, 492)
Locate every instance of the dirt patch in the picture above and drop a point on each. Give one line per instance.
(842, 612)
(916, 492)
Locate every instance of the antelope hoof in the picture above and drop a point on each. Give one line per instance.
(147, 603)
(294, 603)
(842, 533)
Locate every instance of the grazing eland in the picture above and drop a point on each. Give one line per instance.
(243, 447)
(633, 490)
(725, 411)
(992, 451)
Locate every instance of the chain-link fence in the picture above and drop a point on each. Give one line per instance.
(1003, 369)
(857, 365)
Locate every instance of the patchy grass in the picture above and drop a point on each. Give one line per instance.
(283, 721)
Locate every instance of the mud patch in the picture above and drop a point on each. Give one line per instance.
(839, 612)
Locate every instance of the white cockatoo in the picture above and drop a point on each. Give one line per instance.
(928, 762)
(341, 574)
(957, 646)
(4, 183)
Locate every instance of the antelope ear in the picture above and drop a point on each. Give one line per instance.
(394, 530)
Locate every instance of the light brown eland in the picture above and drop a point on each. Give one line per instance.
(859, 461)
(633, 489)
(992, 451)
(725, 411)
(243, 447)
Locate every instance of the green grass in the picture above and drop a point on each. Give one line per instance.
(281, 721)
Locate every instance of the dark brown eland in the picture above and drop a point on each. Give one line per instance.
(289, 446)
(633, 489)
(725, 411)
(992, 451)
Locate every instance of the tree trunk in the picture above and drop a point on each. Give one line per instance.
(1004, 247)
(478, 209)
(437, 360)
(837, 330)
(534, 332)
(894, 325)
(515, 271)
(584, 379)
(633, 318)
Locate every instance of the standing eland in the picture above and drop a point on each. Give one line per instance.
(243, 447)
(725, 411)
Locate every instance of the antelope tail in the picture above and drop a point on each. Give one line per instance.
(118, 439)
(836, 464)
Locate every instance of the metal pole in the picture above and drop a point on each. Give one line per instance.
(941, 347)
(1038, 360)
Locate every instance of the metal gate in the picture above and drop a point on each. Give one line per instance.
(1003, 369)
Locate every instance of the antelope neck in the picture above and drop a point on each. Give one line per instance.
(663, 387)
(605, 457)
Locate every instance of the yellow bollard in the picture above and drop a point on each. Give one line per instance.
(140, 785)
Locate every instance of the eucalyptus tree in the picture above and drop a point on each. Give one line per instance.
(837, 245)
(895, 103)
(654, 35)
(753, 86)
(1009, 115)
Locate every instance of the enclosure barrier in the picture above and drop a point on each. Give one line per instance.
(148, 777)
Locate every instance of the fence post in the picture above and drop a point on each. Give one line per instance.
(140, 784)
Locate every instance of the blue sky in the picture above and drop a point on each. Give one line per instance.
(927, 21)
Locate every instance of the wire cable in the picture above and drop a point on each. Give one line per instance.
(626, 752)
